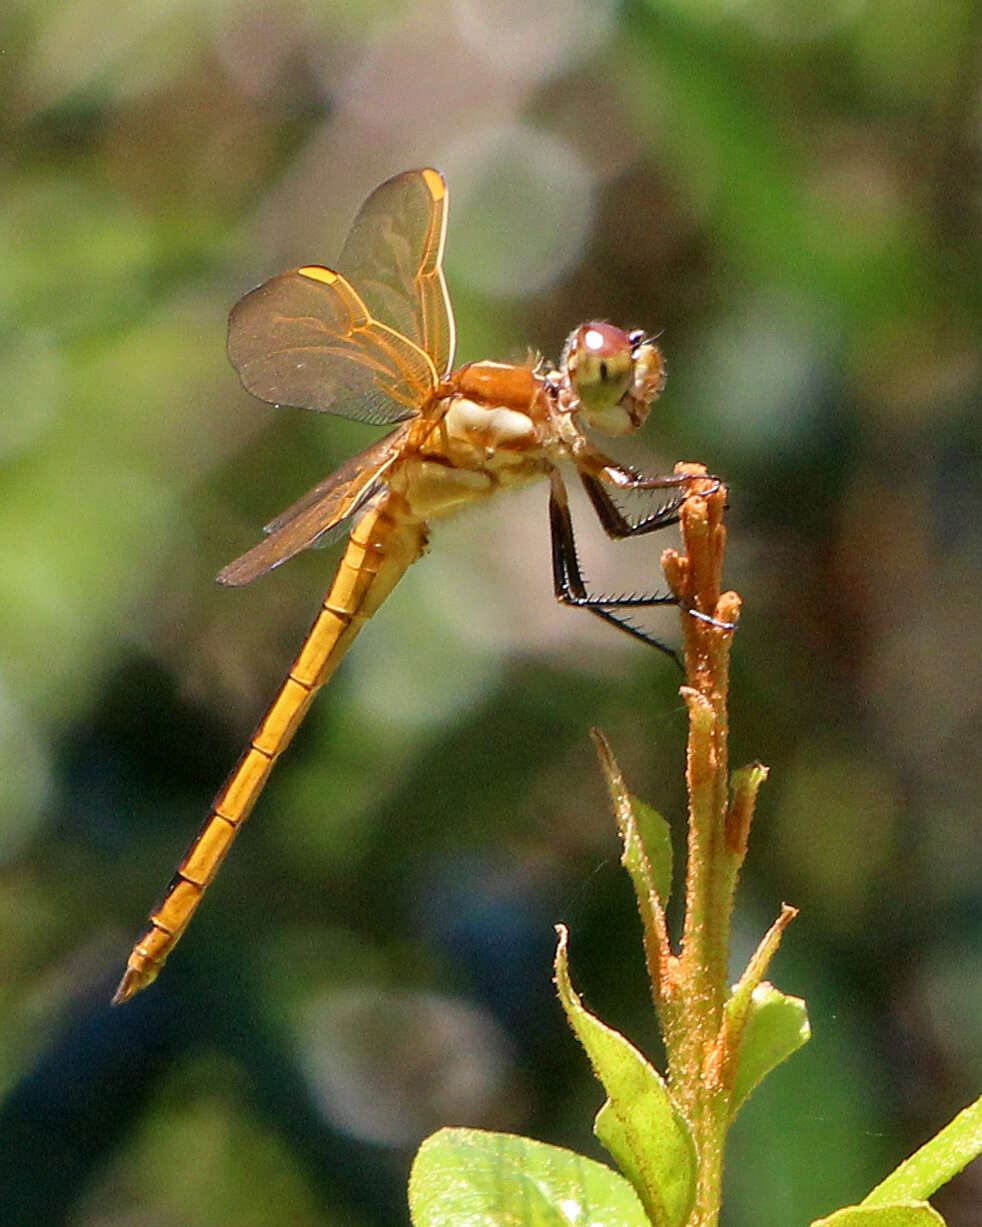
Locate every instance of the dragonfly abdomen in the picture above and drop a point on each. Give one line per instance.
(383, 544)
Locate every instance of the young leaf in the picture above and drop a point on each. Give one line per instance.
(927, 1169)
(646, 836)
(638, 1124)
(902, 1214)
(776, 1026)
(469, 1178)
(656, 839)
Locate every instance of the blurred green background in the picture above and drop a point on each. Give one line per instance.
(790, 194)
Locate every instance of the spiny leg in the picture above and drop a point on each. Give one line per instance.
(613, 521)
(616, 525)
(568, 580)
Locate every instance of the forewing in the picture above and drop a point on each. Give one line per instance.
(394, 256)
(307, 338)
(309, 520)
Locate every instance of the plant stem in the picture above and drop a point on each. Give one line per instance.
(715, 847)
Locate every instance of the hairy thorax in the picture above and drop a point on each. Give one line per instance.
(493, 433)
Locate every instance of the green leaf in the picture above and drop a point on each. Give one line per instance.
(646, 836)
(901, 1214)
(656, 839)
(469, 1178)
(927, 1169)
(638, 1124)
(776, 1026)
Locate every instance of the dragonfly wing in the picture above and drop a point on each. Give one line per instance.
(312, 518)
(362, 468)
(307, 338)
(394, 255)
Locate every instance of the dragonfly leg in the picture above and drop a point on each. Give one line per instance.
(570, 587)
(616, 525)
(613, 521)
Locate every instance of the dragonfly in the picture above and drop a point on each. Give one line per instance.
(373, 339)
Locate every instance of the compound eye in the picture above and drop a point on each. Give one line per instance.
(603, 360)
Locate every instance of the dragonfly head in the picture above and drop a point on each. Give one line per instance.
(613, 375)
